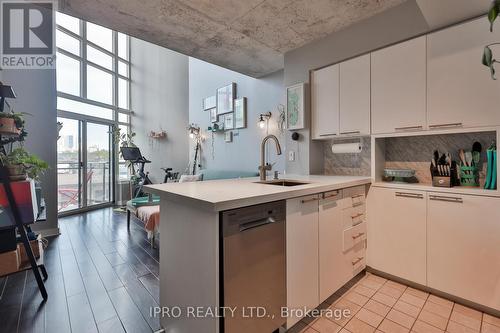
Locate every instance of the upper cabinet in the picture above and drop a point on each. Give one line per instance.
(355, 96)
(399, 87)
(460, 89)
(325, 102)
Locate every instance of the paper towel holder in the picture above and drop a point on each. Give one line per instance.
(347, 148)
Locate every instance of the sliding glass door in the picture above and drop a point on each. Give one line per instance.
(85, 165)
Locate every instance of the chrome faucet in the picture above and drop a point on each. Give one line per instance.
(263, 166)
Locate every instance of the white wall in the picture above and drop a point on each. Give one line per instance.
(36, 94)
(159, 93)
(264, 94)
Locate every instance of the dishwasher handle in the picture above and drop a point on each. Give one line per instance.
(255, 224)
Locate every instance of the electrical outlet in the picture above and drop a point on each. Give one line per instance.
(291, 156)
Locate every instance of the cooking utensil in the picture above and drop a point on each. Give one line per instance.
(436, 156)
(468, 158)
(461, 154)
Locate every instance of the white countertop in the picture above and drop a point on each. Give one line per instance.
(219, 195)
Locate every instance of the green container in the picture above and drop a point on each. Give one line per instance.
(469, 175)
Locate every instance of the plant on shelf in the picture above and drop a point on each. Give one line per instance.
(22, 164)
(13, 123)
(126, 140)
(488, 59)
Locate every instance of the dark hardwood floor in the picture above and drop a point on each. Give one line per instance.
(102, 278)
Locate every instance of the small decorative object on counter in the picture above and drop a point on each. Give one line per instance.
(400, 175)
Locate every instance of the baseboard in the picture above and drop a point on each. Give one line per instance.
(436, 292)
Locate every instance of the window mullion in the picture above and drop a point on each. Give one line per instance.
(83, 75)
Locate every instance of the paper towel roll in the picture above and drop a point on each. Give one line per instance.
(345, 148)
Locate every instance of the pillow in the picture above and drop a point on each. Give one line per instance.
(191, 178)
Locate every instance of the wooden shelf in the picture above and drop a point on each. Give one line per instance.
(450, 190)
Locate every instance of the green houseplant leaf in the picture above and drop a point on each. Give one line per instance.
(493, 13)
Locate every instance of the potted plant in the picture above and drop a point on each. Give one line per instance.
(488, 59)
(22, 164)
(11, 123)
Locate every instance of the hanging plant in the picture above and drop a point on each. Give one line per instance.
(488, 59)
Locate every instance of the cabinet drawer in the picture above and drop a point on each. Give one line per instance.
(358, 258)
(354, 235)
(354, 196)
(353, 216)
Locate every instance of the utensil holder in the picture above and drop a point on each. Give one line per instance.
(469, 175)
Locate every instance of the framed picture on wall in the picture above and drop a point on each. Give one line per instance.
(213, 115)
(240, 113)
(295, 106)
(209, 103)
(225, 99)
(228, 121)
(228, 136)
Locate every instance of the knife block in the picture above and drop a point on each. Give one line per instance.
(439, 180)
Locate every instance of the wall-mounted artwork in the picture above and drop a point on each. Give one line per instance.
(240, 113)
(295, 106)
(209, 103)
(228, 121)
(213, 115)
(225, 99)
(228, 136)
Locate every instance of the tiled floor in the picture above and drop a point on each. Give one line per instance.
(380, 305)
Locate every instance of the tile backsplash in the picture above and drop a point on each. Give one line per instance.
(355, 164)
(411, 152)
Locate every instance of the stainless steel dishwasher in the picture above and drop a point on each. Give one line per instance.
(254, 267)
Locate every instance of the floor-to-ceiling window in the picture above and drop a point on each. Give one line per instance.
(93, 100)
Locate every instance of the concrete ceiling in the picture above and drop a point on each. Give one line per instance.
(247, 36)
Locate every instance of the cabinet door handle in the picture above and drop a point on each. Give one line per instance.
(356, 216)
(446, 125)
(351, 132)
(358, 235)
(330, 134)
(332, 195)
(309, 200)
(356, 204)
(447, 199)
(409, 128)
(354, 262)
(409, 195)
(357, 196)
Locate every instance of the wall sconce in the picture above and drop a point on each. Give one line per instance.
(193, 130)
(264, 119)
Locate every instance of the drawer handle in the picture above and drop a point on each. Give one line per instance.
(331, 134)
(308, 200)
(409, 128)
(354, 262)
(409, 195)
(330, 195)
(356, 216)
(357, 196)
(357, 204)
(358, 235)
(447, 199)
(446, 125)
(351, 132)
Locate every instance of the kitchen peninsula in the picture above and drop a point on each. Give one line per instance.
(191, 257)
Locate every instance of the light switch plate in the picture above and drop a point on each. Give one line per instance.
(291, 156)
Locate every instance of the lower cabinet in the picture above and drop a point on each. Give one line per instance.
(463, 247)
(397, 233)
(332, 270)
(325, 246)
(302, 263)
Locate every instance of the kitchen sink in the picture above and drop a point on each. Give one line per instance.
(282, 182)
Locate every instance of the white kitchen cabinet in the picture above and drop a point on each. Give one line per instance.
(325, 102)
(302, 262)
(463, 245)
(332, 271)
(355, 96)
(396, 224)
(460, 89)
(398, 83)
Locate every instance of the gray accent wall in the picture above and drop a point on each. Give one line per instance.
(264, 94)
(160, 101)
(36, 94)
